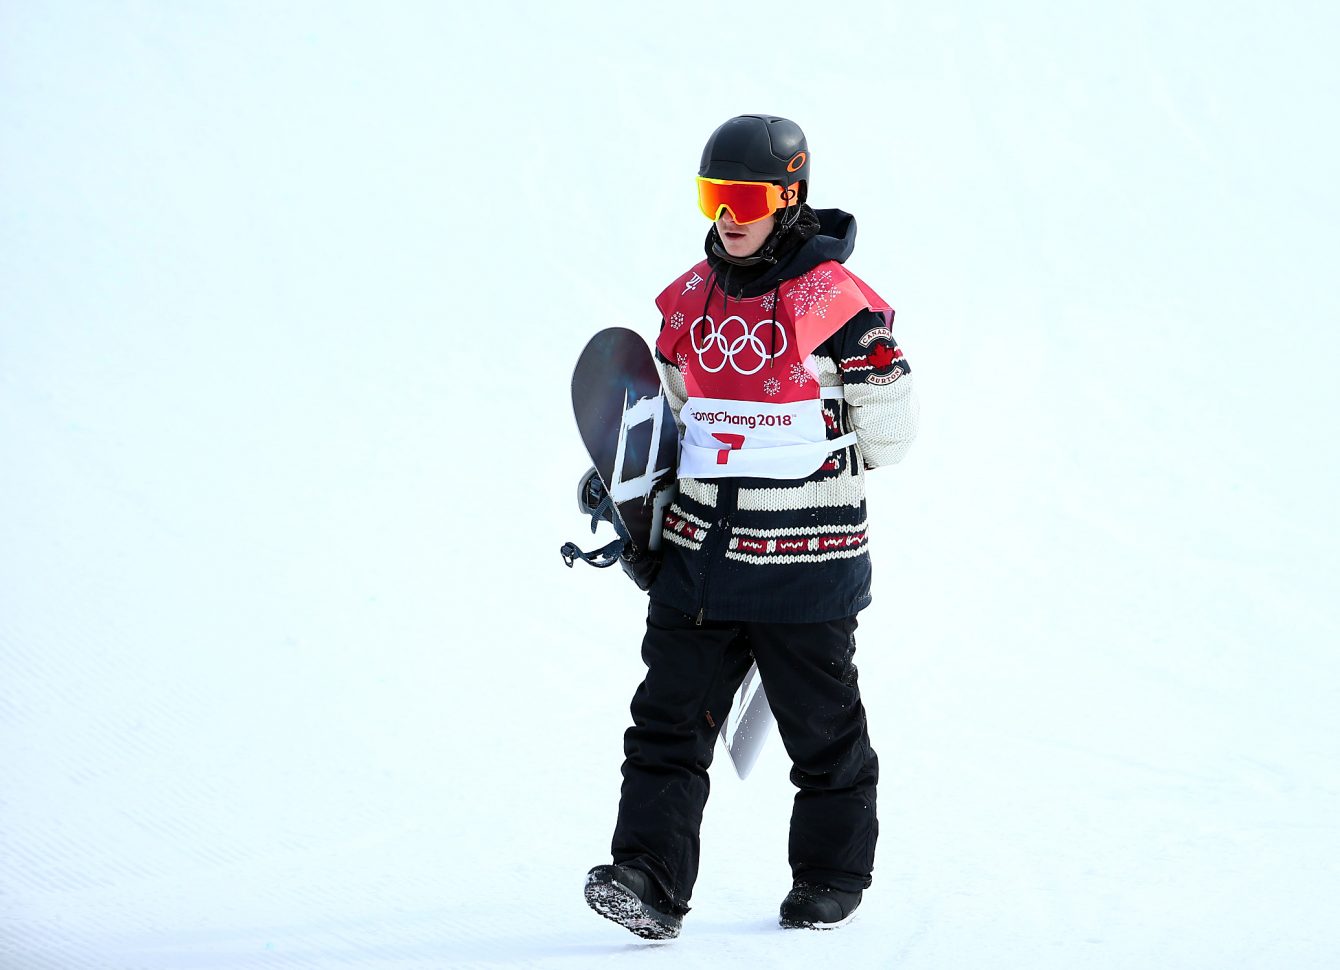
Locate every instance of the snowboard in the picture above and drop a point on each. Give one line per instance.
(748, 724)
(629, 432)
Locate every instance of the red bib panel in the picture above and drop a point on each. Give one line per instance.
(754, 403)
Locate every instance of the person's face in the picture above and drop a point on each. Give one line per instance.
(745, 240)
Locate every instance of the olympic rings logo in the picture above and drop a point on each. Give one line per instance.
(747, 346)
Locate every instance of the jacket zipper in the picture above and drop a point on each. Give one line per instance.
(728, 488)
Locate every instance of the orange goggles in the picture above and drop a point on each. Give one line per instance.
(745, 201)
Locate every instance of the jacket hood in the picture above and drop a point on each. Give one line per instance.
(836, 239)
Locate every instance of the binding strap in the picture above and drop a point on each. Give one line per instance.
(606, 555)
(602, 510)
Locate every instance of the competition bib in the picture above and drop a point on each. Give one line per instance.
(754, 439)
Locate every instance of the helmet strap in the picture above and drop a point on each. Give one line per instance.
(791, 215)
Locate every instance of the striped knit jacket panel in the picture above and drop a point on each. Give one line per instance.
(796, 551)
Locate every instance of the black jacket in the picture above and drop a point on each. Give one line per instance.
(720, 579)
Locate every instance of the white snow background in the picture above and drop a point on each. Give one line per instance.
(291, 673)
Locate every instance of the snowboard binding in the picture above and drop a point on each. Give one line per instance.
(594, 500)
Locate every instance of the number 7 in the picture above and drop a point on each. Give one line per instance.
(734, 441)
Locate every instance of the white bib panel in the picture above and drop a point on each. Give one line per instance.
(754, 439)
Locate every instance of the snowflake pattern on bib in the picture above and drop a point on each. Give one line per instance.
(772, 387)
(676, 320)
(813, 293)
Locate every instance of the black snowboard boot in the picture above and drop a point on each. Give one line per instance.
(815, 907)
(629, 897)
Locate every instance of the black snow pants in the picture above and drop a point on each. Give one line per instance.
(692, 673)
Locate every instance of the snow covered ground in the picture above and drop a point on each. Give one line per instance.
(291, 674)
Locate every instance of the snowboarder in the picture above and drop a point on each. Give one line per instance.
(787, 386)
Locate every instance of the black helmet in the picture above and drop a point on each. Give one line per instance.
(757, 148)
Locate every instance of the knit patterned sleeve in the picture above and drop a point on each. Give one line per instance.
(882, 404)
(672, 380)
